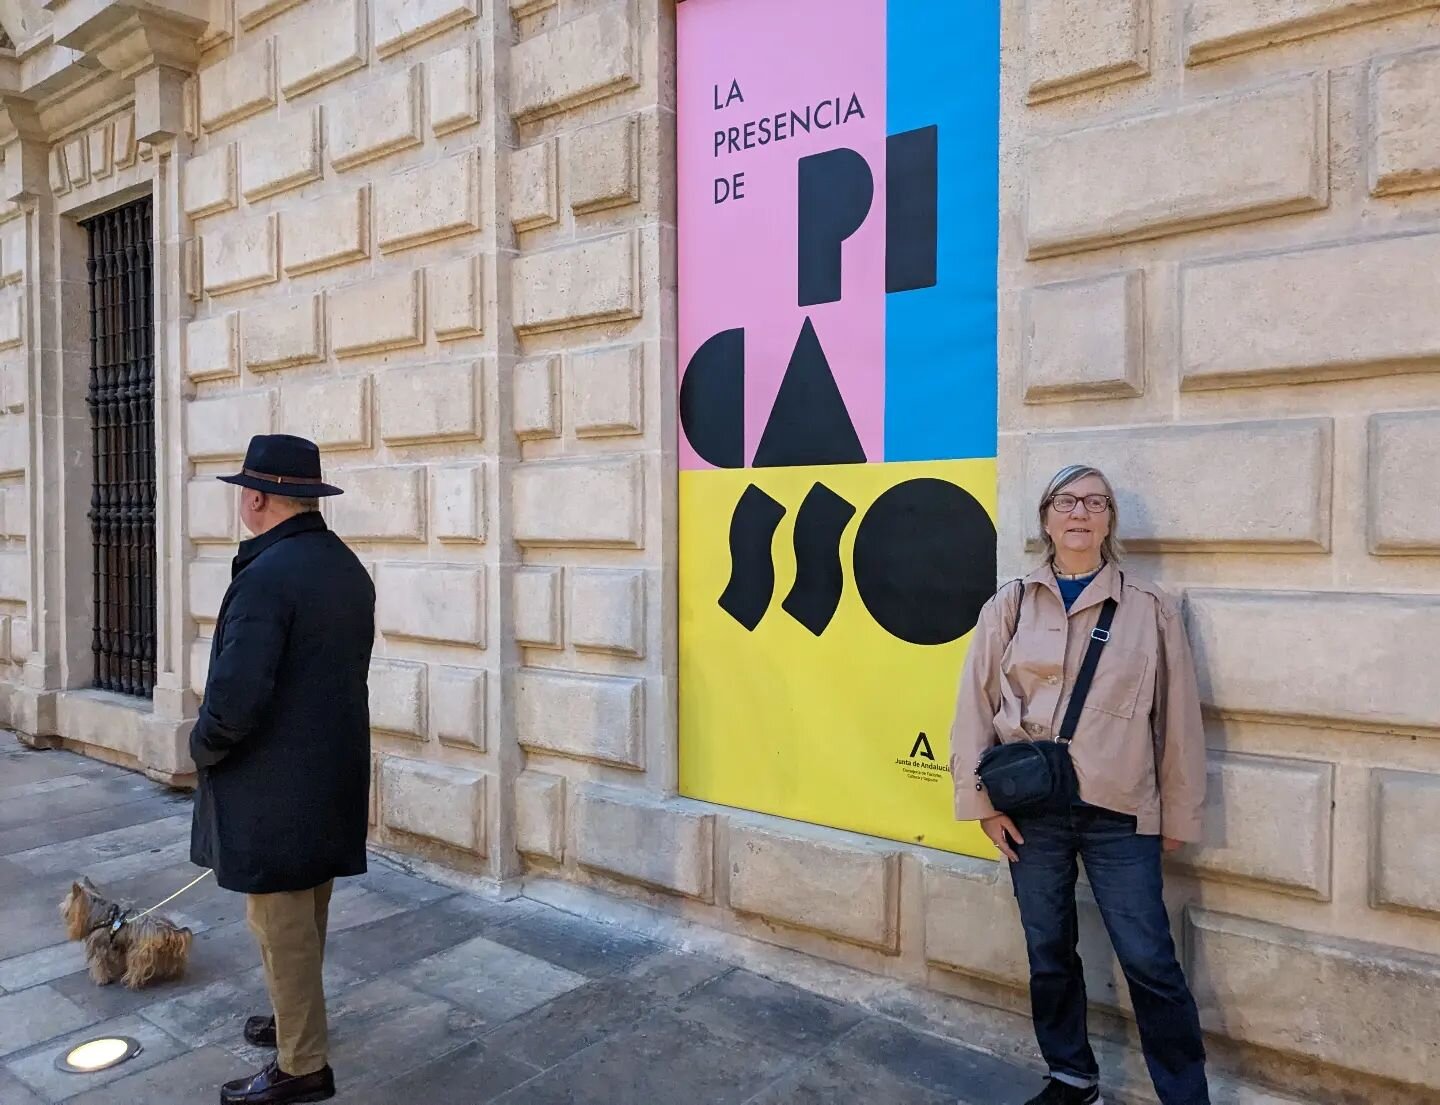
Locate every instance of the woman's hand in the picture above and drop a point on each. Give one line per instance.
(1169, 844)
(1001, 830)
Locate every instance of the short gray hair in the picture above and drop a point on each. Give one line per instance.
(1111, 550)
(296, 504)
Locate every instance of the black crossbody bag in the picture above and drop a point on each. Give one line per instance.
(1031, 776)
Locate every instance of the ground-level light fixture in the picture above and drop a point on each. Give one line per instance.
(98, 1054)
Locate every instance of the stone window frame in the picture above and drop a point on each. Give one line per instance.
(57, 695)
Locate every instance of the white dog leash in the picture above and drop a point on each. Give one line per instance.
(122, 920)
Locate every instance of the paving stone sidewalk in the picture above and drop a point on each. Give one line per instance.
(436, 996)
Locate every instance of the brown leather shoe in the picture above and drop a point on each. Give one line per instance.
(272, 1086)
(260, 1031)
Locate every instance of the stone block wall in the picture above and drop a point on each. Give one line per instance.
(1216, 225)
(1215, 217)
(437, 236)
(343, 198)
(432, 238)
(14, 446)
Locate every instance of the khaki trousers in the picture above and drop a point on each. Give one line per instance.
(290, 928)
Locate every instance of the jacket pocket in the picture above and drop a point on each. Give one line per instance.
(1118, 679)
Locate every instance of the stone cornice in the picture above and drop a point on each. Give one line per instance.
(10, 75)
(27, 23)
(51, 70)
(128, 38)
(143, 43)
(19, 121)
(85, 55)
(26, 169)
(89, 93)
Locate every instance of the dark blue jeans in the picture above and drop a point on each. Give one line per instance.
(1124, 872)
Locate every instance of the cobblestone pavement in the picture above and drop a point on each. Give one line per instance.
(436, 996)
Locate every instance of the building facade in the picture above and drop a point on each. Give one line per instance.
(445, 239)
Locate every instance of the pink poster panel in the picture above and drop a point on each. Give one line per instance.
(762, 85)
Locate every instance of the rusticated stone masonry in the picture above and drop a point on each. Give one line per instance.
(1214, 215)
(432, 237)
(438, 237)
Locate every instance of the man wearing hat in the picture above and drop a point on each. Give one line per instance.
(282, 747)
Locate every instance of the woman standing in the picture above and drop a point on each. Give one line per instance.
(1138, 757)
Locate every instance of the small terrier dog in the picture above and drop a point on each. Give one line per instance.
(138, 952)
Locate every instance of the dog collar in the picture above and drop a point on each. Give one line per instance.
(116, 921)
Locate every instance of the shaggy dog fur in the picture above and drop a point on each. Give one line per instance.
(145, 951)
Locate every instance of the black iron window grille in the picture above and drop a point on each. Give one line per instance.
(122, 426)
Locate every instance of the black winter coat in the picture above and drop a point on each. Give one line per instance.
(282, 743)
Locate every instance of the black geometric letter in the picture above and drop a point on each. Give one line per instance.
(912, 189)
(925, 561)
(836, 188)
(808, 423)
(819, 577)
(712, 400)
(752, 566)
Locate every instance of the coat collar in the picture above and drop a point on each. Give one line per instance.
(1107, 584)
(308, 522)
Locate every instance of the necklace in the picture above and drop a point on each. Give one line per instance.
(1078, 575)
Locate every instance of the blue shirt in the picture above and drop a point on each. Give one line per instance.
(1070, 588)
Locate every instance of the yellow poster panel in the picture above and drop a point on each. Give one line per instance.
(848, 727)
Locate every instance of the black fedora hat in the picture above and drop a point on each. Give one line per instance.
(279, 464)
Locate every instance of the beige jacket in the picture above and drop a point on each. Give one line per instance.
(1139, 747)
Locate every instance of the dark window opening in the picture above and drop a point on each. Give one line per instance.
(122, 425)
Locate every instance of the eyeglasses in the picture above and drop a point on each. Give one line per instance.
(1095, 504)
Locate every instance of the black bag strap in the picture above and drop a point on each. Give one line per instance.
(1098, 638)
(1019, 606)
